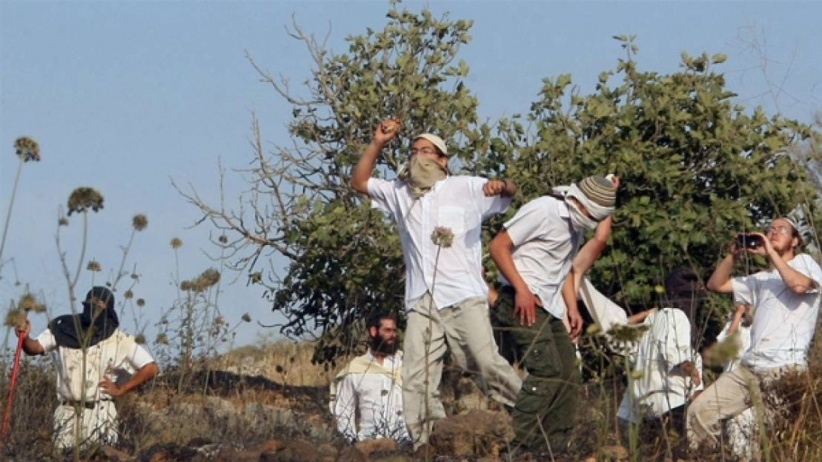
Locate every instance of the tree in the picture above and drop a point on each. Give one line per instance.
(695, 167)
(344, 259)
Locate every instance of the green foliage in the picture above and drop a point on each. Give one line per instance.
(345, 259)
(695, 167)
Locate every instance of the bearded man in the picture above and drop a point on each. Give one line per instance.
(371, 387)
(446, 297)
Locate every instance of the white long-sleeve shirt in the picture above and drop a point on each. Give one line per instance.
(456, 203)
(376, 396)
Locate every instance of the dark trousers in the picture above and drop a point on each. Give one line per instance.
(546, 407)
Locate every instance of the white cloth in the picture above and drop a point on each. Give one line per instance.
(544, 248)
(655, 385)
(376, 396)
(604, 312)
(114, 357)
(742, 338)
(783, 321)
(740, 429)
(456, 202)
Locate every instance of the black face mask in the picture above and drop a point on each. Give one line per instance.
(90, 327)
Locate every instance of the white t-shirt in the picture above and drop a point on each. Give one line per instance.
(458, 203)
(544, 248)
(783, 321)
(117, 354)
(654, 387)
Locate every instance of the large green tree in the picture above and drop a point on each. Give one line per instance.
(695, 168)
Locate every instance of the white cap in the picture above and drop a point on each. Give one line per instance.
(435, 140)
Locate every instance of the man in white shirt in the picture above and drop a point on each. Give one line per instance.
(665, 368)
(91, 354)
(534, 254)
(371, 387)
(439, 217)
(785, 302)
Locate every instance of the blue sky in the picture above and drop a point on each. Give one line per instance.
(125, 96)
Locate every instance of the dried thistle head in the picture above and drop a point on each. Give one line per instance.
(442, 236)
(84, 198)
(139, 222)
(94, 266)
(28, 302)
(186, 286)
(246, 317)
(27, 149)
(205, 280)
(223, 239)
(255, 277)
(62, 221)
(162, 339)
(140, 339)
(140, 302)
(176, 243)
(128, 295)
(16, 318)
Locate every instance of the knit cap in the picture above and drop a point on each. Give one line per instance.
(598, 196)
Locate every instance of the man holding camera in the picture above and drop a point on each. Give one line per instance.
(785, 301)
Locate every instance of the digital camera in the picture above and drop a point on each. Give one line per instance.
(748, 241)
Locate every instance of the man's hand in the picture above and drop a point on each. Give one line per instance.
(110, 388)
(386, 131)
(24, 330)
(614, 180)
(765, 249)
(689, 369)
(525, 304)
(575, 321)
(493, 188)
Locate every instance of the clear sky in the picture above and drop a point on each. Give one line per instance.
(125, 96)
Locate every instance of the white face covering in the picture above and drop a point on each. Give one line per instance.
(579, 221)
(421, 173)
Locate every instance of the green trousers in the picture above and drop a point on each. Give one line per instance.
(546, 407)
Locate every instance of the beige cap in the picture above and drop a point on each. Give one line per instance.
(435, 140)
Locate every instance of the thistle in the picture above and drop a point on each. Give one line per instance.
(162, 339)
(442, 236)
(207, 279)
(128, 295)
(28, 303)
(139, 222)
(27, 149)
(16, 318)
(246, 317)
(140, 302)
(84, 198)
(176, 243)
(94, 266)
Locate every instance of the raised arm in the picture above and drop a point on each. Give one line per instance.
(386, 131)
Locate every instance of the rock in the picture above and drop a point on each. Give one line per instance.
(352, 454)
(294, 451)
(476, 433)
(369, 447)
(115, 455)
(613, 452)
